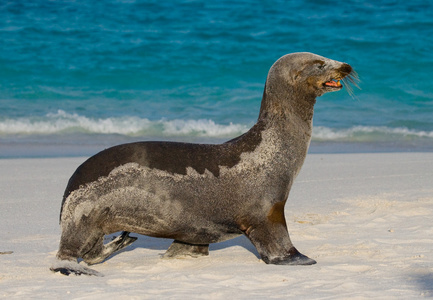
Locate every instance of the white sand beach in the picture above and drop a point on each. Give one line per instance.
(365, 218)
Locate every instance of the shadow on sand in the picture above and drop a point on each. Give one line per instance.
(163, 244)
(424, 280)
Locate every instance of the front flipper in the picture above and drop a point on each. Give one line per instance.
(273, 243)
(178, 249)
(294, 258)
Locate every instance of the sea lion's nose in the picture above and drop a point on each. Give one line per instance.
(345, 69)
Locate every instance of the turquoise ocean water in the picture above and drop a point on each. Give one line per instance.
(79, 76)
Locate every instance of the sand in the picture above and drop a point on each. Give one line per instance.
(365, 218)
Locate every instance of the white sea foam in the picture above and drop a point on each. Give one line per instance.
(63, 122)
(202, 128)
(367, 133)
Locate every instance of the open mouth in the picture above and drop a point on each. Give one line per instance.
(333, 83)
(344, 75)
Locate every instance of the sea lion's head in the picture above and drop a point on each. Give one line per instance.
(295, 80)
(310, 74)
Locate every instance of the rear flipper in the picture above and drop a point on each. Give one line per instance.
(179, 249)
(98, 255)
(67, 267)
(66, 264)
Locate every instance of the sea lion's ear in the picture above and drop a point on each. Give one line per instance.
(295, 74)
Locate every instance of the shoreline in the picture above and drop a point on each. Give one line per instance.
(365, 218)
(35, 149)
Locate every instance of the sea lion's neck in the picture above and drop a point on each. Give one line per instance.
(285, 105)
(284, 124)
(287, 125)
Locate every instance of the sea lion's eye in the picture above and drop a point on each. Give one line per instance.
(320, 66)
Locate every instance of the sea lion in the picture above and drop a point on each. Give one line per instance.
(199, 194)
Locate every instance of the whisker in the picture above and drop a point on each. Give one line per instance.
(351, 80)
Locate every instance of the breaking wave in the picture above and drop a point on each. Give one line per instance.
(368, 134)
(65, 123)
